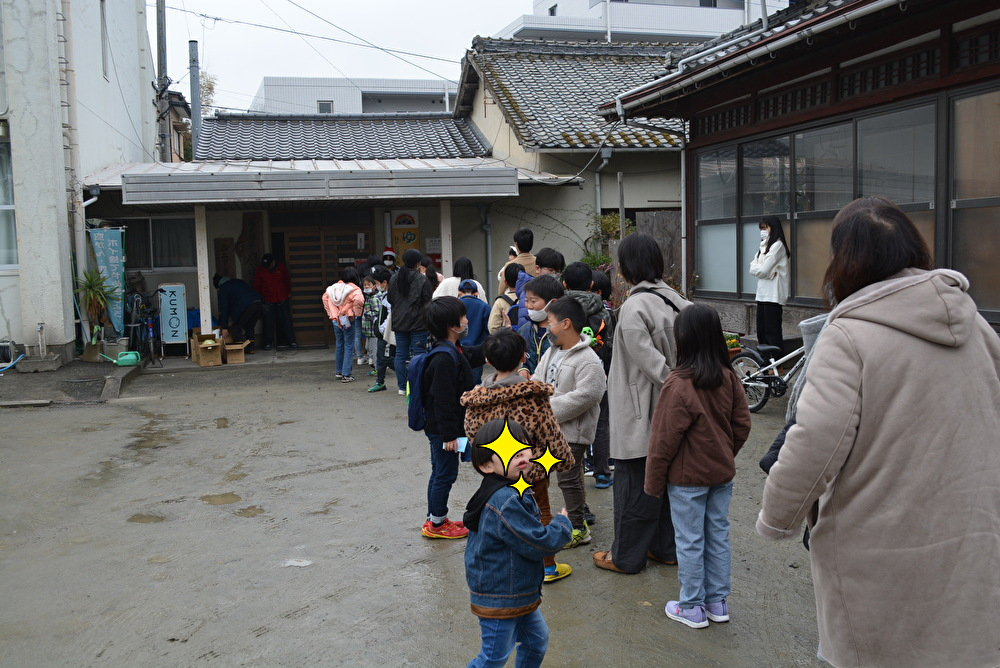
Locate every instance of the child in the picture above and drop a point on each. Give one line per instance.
(508, 394)
(366, 354)
(539, 292)
(577, 375)
(373, 322)
(503, 559)
(445, 379)
(344, 302)
(503, 303)
(549, 261)
(478, 314)
(701, 421)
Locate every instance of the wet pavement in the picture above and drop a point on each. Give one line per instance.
(268, 515)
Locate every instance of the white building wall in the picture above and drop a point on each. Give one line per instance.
(300, 95)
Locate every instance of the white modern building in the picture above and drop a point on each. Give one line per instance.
(636, 20)
(325, 95)
(76, 97)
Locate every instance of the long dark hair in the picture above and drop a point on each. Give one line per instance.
(463, 269)
(776, 234)
(405, 276)
(701, 347)
(872, 239)
(433, 277)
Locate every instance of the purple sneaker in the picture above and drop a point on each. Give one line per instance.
(693, 617)
(718, 611)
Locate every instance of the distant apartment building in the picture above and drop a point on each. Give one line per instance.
(325, 95)
(636, 20)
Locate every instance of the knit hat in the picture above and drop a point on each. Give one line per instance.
(388, 251)
(468, 286)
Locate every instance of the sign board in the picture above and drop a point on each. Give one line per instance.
(433, 245)
(108, 251)
(405, 231)
(173, 313)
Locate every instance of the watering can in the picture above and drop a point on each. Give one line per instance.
(127, 358)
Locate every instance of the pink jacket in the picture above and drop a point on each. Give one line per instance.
(343, 299)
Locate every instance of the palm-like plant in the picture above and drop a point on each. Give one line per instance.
(95, 295)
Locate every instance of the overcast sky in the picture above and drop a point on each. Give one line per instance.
(239, 55)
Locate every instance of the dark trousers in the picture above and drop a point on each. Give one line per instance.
(444, 473)
(246, 322)
(571, 484)
(769, 324)
(602, 440)
(642, 522)
(278, 320)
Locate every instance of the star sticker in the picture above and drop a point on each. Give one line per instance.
(506, 446)
(521, 485)
(547, 461)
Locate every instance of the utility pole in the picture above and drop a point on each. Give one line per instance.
(162, 81)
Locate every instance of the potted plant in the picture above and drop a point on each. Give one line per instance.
(732, 343)
(95, 295)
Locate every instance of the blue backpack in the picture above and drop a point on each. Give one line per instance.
(416, 410)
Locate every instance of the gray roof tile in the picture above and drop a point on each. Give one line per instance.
(332, 137)
(550, 91)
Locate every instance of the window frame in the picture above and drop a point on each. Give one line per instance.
(147, 223)
(12, 207)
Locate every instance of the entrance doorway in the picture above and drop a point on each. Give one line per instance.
(316, 246)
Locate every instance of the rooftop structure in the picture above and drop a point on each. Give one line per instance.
(327, 95)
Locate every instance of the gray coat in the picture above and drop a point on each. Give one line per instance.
(579, 386)
(643, 356)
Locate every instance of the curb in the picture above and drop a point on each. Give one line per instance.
(117, 381)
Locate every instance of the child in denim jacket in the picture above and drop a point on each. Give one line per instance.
(503, 557)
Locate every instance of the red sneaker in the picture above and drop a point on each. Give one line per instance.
(447, 530)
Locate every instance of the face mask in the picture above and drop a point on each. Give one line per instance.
(764, 234)
(388, 263)
(369, 291)
(537, 316)
(465, 332)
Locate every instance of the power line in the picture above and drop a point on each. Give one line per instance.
(314, 36)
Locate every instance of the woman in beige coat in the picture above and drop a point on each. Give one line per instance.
(894, 461)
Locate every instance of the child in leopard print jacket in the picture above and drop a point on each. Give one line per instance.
(509, 395)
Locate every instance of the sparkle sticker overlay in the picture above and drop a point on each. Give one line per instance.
(506, 446)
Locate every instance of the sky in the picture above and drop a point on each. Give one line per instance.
(240, 55)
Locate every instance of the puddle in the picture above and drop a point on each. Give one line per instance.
(235, 473)
(249, 511)
(221, 423)
(147, 519)
(151, 436)
(220, 499)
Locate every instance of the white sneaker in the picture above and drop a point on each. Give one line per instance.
(402, 392)
(361, 360)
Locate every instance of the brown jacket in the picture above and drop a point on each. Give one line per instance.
(894, 463)
(526, 260)
(696, 433)
(526, 403)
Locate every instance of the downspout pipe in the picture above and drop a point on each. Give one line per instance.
(605, 159)
(484, 219)
(767, 49)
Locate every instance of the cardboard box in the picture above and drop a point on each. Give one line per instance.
(234, 353)
(206, 355)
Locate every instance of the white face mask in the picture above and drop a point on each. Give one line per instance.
(764, 234)
(537, 316)
(369, 291)
(388, 262)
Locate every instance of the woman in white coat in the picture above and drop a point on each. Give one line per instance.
(770, 266)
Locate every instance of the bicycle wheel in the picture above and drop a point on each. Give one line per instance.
(757, 390)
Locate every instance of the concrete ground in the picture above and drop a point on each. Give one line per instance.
(267, 515)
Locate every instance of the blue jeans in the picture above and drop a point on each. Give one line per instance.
(407, 344)
(345, 348)
(701, 531)
(500, 636)
(357, 339)
(444, 473)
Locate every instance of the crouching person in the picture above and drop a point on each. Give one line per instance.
(503, 557)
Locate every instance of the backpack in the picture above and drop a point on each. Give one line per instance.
(600, 329)
(416, 410)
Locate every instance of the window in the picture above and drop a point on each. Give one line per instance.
(766, 177)
(717, 184)
(896, 155)
(552, 10)
(159, 243)
(8, 230)
(824, 168)
(709, 3)
(325, 106)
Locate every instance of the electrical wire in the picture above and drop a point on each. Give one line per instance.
(121, 92)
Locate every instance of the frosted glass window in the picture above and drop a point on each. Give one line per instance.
(976, 247)
(824, 168)
(896, 155)
(766, 177)
(716, 258)
(977, 146)
(811, 256)
(717, 184)
(8, 238)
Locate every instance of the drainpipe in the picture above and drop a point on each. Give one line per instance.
(607, 16)
(484, 219)
(605, 158)
(766, 49)
(72, 136)
(763, 14)
(684, 238)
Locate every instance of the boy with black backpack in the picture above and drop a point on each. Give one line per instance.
(436, 381)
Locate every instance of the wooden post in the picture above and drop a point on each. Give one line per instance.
(446, 251)
(204, 280)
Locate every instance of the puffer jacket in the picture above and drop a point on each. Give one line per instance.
(894, 464)
(579, 386)
(503, 557)
(527, 403)
(343, 299)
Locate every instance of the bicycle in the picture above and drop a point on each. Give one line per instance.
(761, 380)
(142, 336)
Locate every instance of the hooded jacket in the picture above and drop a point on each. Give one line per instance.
(343, 299)
(894, 464)
(644, 355)
(504, 552)
(408, 309)
(579, 385)
(527, 403)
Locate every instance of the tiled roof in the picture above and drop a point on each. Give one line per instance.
(550, 91)
(332, 137)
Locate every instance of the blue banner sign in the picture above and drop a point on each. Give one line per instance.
(108, 251)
